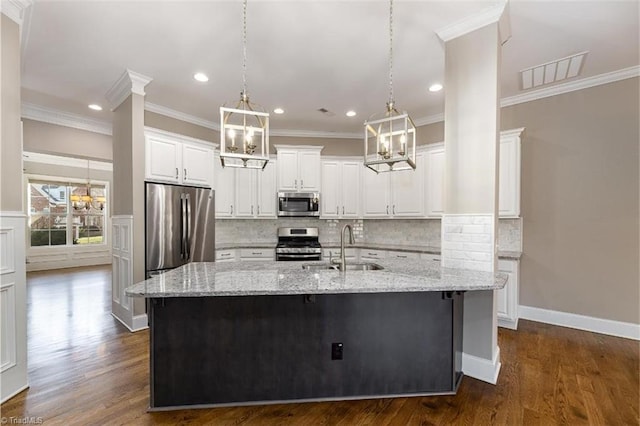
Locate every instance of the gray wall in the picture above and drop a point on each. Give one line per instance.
(59, 140)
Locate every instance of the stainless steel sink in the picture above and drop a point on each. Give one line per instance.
(350, 267)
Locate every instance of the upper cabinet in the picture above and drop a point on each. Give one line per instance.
(340, 189)
(298, 168)
(394, 194)
(510, 169)
(246, 193)
(434, 180)
(178, 159)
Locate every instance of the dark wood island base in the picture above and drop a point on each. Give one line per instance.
(237, 350)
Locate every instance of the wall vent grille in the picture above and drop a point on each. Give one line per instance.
(551, 72)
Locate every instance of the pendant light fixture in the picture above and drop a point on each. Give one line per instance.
(244, 130)
(86, 202)
(390, 138)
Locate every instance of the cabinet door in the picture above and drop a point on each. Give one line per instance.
(507, 297)
(375, 194)
(245, 193)
(197, 165)
(225, 190)
(162, 159)
(350, 188)
(407, 188)
(509, 177)
(331, 199)
(266, 197)
(434, 169)
(309, 170)
(287, 170)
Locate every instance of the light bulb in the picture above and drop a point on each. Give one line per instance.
(232, 133)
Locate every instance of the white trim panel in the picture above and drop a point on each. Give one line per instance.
(122, 273)
(7, 252)
(58, 160)
(464, 26)
(8, 344)
(15, 9)
(482, 369)
(581, 322)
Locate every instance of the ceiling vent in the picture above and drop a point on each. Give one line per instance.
(551, 72)
(326, 112)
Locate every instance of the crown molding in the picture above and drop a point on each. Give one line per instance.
(430, 119)
(572, 86)
(172, 113)
(314, 134)
(59, 160)
(15, 9)
(129, 82)
(159, 133)
(67, 119)
(491, 15)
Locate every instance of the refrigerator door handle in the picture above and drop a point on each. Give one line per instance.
(183, 227)
(188, 233)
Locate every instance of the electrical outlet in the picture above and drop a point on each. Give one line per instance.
(336, 351)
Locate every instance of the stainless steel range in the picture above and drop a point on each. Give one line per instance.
(298, 244)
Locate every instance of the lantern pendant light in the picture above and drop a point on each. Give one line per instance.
(390, 138)
(244, 130)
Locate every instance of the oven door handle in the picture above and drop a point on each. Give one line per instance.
(297, 255)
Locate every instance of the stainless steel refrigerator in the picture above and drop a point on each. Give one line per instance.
(180, 226)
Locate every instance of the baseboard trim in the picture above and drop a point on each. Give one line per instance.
(508, 323)
(139, 322)
(16, 392)
(626, 330)
(481, 368)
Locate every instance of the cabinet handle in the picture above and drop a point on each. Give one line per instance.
(251, 210)
(258, 210)
(387, 209)
(225, 254)
(295, 183)
(372, 254)
(301, 183)
(256, 252)
(232, 209)
(185, 173)
(177, 173)
(342, 209)
(394, 209)
(401, 256)
(337, 210)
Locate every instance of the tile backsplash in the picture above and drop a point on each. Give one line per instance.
(390, 231)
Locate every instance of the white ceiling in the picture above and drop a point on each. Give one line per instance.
(302, 55)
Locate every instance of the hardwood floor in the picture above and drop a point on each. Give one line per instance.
(86, 368)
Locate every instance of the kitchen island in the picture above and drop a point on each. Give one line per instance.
(241, 332)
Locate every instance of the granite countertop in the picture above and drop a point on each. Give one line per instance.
(286, 278)
(502, 254)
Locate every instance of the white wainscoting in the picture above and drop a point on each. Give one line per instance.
(44, 258)
(122, 276)
(13, 305)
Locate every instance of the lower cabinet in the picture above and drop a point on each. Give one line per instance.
(328, 254)
(507, 298)
(257, 255)
(226, 255)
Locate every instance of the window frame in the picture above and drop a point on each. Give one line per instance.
(68, 182)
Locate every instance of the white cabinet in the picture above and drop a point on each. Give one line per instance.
(407, 190)
(246, 193)
(225, 183)
(298, 168)
(257, 254)
(434, 180)
(394, 194)
(255, 192)
(228, 255)
(368, 255)
(509, 178)
(178, 159)
(508, 297)
(340, 189)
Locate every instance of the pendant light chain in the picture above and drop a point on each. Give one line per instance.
(390, 52)
(244, 48)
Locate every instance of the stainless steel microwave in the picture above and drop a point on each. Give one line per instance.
(298, 204)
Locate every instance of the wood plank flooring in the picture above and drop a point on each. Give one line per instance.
(85, 368)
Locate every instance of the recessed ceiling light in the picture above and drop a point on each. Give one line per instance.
(278, 111)
(95, 107)
(201, 77)
(435, 87)
(351, 113)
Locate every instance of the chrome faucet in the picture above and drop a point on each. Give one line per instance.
(343, 259)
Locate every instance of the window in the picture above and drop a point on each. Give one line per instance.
(62, 214)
